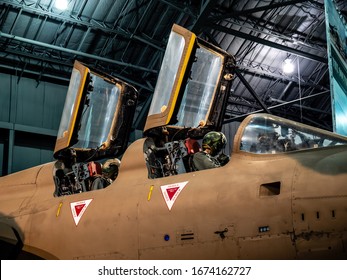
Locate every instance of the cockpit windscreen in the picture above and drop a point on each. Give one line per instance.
(270, 135)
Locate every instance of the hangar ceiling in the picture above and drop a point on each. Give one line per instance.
(127, 39)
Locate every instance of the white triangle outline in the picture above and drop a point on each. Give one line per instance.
(77, 217)
(165, 188)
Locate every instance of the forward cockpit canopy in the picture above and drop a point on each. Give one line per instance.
(267, 134)
(97, 115)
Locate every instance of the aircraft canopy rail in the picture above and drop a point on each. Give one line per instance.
(72, 102)
(267, 134)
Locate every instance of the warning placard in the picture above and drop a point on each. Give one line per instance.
(171, 192)
(78, 208)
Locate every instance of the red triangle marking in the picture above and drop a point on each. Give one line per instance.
(78, 209)
(171, 192)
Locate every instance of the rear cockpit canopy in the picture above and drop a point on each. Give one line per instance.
(267, 134)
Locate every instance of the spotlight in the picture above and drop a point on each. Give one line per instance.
(61, 4)
(288, 66)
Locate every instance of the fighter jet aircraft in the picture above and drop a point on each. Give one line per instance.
(282, 195)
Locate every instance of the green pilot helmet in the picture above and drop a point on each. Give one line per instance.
(215, 141)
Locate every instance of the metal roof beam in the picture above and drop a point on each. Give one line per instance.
(98, 26)
(251, 90)
(56, 78)
(299, 105)
(270, 7)
(267, 27)
(271, 44)
(37, 58)
(74, 52)
(277, 106)
(270, 75)
(259, 9)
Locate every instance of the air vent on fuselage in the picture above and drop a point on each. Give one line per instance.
(270, 189)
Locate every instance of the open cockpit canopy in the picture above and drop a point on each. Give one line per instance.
(192, 86)
(268, 134)
(97, 115)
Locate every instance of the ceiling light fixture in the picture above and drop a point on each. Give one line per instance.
(61, 4)
(288, 66)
